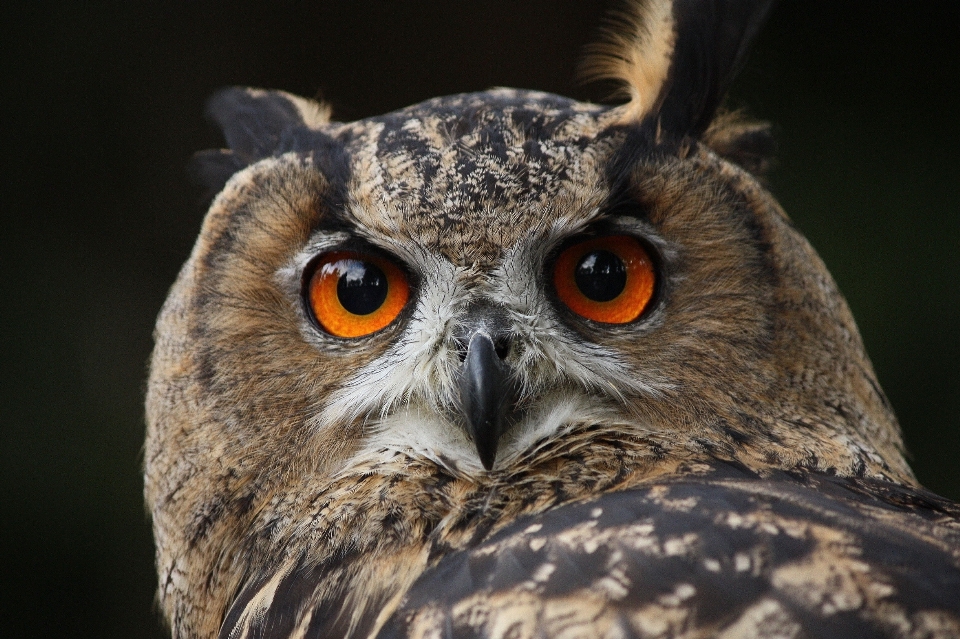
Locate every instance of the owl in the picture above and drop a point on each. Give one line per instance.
(505, 364)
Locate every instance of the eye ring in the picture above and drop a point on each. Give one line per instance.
(609, 279)
(351, 294)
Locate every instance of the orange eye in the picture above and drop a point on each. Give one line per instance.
(605, 279)
(352, 295)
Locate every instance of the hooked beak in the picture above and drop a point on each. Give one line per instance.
(486, 395)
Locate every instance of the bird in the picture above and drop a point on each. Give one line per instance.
(505, 364)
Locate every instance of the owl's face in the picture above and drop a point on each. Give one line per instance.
(463, 215)
(483, 291)
(471, 276)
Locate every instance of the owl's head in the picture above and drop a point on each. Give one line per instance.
(486, 286)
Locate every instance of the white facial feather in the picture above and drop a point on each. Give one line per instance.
(423, 433)
(421, 364)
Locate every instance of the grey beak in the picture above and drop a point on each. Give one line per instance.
(485, 395)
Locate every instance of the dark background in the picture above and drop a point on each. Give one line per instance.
(103, 107)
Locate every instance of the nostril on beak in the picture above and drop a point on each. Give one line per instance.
(501, 345)
(483, 317)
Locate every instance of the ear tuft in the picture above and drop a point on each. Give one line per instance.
(677, 58)
(256, 124)
(635, 51)
(259, 123)
(745, 142)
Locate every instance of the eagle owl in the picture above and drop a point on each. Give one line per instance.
(504, 364)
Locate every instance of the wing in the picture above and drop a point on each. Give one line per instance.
(733, 555)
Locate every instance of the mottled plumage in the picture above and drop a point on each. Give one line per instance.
(724, 464)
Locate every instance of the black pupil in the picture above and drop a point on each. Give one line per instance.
(600, 276)
(362, 287)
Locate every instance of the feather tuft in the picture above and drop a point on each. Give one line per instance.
(636, 51)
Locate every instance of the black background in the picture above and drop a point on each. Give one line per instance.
(102, 107)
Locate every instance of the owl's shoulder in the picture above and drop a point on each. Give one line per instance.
(731, 550)
(717, 547)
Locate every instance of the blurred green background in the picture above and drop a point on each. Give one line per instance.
(103, 107)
